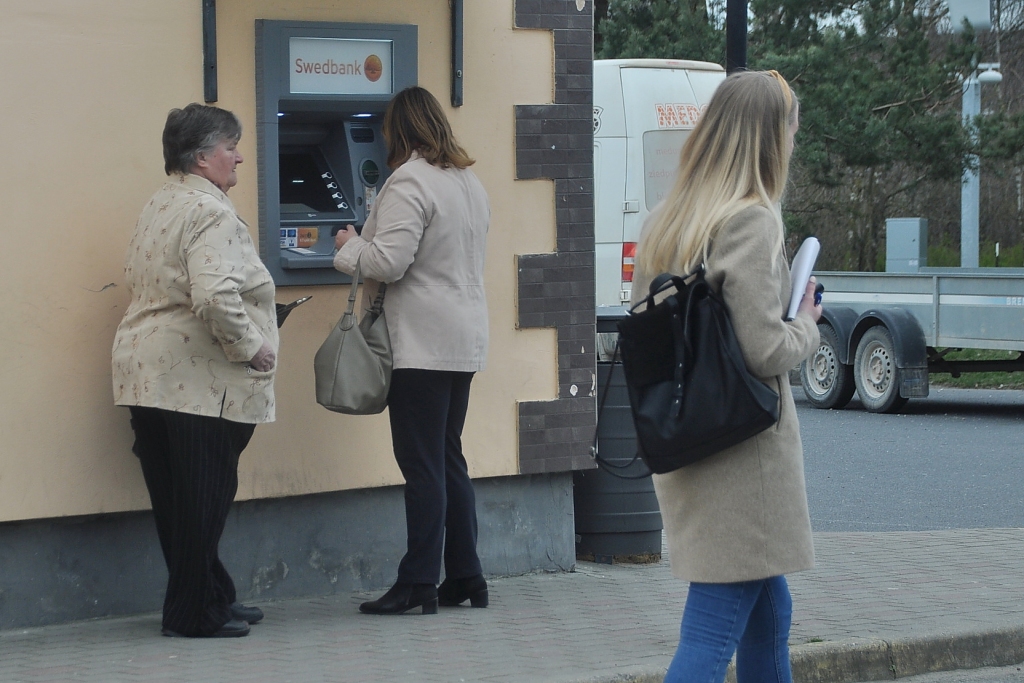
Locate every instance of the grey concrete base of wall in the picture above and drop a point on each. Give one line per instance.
(60, 570)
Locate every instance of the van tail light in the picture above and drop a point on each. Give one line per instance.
(628, 255)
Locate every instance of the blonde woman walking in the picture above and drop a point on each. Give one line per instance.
(737, 522)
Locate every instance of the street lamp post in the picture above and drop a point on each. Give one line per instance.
(969, 191)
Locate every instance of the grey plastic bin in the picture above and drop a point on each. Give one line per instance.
(616, 519)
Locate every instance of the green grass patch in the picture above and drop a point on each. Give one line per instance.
(947, 255)
(980, 380)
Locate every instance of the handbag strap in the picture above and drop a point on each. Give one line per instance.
(348, 320)
(663, 282)
(659, 285)
(680, 322)
(594, 451)
(378, 301)
(691, 292)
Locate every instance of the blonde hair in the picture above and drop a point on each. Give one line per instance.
(736, 157)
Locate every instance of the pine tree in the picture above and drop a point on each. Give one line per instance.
(880, 104)
(661, 29)
(880, 89)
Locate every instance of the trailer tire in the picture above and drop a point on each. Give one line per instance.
(827, 382)
(875, 372)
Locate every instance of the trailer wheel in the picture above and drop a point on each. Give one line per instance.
(827, 382)
(875, 372)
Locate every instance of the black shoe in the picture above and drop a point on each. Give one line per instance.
(403, 597)
(454, 592)
(253, 615)
(235, 628)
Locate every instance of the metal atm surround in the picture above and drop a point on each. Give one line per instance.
(321, 156)
(324, 169)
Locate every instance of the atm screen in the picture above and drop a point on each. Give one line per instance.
(308, 186)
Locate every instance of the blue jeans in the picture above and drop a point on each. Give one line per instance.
(750, 619)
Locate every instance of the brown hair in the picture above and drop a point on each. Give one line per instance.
(414, 121)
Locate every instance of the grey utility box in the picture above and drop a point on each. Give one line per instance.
(906, 244)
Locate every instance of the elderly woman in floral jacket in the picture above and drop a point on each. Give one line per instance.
(194, 360)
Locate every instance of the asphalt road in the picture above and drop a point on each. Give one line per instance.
(953, 460)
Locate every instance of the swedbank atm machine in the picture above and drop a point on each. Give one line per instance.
(321, 91)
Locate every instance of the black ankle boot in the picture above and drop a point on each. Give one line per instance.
(403, 597)
(456, 591)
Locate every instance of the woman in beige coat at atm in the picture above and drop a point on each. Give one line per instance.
(737, 522)
(426, 237)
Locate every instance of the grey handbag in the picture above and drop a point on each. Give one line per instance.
(353, 366)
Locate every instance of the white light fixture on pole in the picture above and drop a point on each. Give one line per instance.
(969, 190)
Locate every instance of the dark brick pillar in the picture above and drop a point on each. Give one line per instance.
(556, 141)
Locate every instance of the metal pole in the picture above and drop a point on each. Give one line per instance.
(458, 31)
(735, 35)
(969, 189)
(210, 50)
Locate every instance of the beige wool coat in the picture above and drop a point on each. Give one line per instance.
(426, 236)
(202, 303)
(741, 514)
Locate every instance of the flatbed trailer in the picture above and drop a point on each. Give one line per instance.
(883, 333)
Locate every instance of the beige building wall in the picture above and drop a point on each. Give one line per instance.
(86, 87)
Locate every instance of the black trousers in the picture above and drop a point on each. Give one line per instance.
(190, 464)
(428, 411)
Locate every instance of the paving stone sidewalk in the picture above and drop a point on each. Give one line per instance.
(912, 601)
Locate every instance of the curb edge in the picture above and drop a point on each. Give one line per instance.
(857, 660)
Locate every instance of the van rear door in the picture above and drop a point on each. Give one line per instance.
(644, 109)
(609, 184)
(662, 107)
(661, 110)
(609, 181)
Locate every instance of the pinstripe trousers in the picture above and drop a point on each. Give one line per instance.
(190, 463)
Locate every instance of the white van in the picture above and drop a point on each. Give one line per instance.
(644, 109)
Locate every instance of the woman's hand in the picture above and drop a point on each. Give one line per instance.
(265, 358)
(807, 303)
(344, 236)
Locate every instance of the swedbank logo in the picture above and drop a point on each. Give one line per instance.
(371, 67)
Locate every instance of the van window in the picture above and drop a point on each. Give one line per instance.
(661, 161)
(704, 84)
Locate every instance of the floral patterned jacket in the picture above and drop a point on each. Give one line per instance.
(201, 305)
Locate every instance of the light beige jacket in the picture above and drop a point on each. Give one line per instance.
(741, 514)
(201, 305)
(426, 237)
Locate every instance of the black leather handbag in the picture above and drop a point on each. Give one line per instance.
(690, 392)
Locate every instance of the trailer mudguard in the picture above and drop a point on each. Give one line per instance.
(843, 320)
(908, 339)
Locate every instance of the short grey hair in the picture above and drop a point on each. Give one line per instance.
(196, 130)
